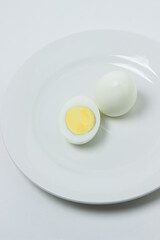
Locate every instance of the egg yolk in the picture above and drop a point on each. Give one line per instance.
(80, 120)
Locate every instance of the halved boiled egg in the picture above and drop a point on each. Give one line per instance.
(79, 120)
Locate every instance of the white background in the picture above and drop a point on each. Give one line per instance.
(26, 212)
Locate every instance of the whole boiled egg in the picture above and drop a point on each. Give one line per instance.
(115, 93)
(79, 120)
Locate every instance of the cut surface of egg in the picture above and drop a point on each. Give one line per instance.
(115, 93)
(79, 120)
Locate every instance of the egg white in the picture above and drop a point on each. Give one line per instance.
(115, 93)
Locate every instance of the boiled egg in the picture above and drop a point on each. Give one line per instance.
(79, 120)
(115, 93)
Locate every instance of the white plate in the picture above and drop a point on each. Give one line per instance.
(123, 160)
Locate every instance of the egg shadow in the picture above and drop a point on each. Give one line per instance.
(97, 140)
(137, 110)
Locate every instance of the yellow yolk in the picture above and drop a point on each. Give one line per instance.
(80, 120)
